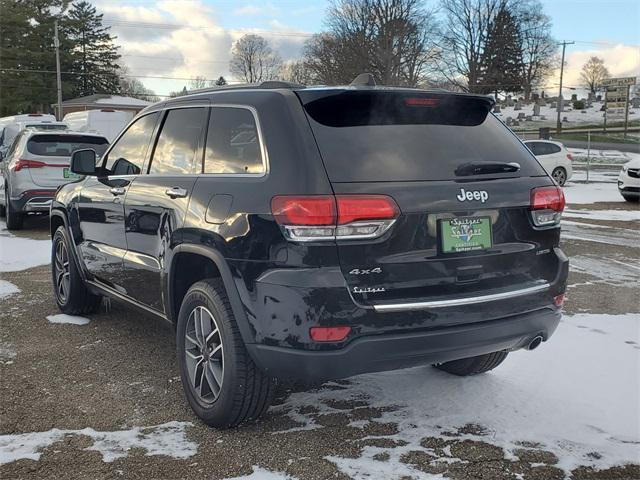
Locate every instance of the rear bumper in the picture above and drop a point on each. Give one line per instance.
(389, 352)
(33, 200)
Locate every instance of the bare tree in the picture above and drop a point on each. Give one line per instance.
(462, 49)
(393, 39)
(296, 71)
(253, 60)
(198, 82)
(593, 73)
(539, 49)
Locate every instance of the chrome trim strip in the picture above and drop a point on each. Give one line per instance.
(398, 307)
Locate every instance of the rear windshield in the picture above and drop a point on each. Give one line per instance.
(390, 136)
(64, 145)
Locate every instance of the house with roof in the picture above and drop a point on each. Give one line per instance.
(101, 101)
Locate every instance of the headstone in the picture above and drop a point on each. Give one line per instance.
(517, 106)
(543, 117)
(574, 97)
(565, 120)
(496, 108)
(599, 98)
(516, 123)
(536, 97)
(536, 109)
(521, 115)
(528, 118)
(583, 111)
(590, 97)
(554, 105)
(542, 102)
(635, 102)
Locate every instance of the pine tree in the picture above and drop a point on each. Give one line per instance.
(502, 57)
(220, 81)
(95, 57)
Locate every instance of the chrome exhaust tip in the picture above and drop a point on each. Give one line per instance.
(535, 342)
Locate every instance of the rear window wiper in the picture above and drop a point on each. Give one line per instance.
(479, 168)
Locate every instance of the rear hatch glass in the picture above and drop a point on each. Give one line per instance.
(55, 152)
(407, 136)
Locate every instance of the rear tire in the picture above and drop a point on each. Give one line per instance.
(72, 295)
(222, 384)
(14, 219)
(631, 199)
(473, 365)
(559, 174)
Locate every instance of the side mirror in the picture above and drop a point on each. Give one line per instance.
(83, 162)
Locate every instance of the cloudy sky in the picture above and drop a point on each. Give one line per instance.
(182, 39)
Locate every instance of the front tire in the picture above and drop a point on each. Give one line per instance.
(473, 365)
(559, 174)
(72, 295)
(222, 384)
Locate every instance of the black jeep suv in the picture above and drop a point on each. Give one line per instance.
(315, 233)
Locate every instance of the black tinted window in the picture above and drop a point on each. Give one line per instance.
(410, 138)
(534, 147)
(127, 155)
(178, 142)
(233, 144)
(64, 145)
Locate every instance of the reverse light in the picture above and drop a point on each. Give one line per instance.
(20, 164)
(329, 334)
(547, 204)
(329, 217)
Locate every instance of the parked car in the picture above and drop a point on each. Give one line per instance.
(554, 157)
(629, 181)
(316, 233)
(11, 126)
(36, 165)
(107, 122)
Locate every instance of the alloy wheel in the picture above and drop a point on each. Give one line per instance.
(204, 354)
(61, 265)
(560, 176)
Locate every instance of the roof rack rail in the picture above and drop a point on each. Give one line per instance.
(268, 84)
(364, 80)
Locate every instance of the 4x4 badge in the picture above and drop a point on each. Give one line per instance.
(365, 271)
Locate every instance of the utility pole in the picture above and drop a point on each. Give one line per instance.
(560, 99)
(56, 43)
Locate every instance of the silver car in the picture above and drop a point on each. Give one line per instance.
(36, 164)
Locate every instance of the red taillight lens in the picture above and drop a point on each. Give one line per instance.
(328, 217)
(310, 210)
(569, 157)
(353, 208)
(551, 198)
(329, 334)
(547, 204)
(20, 164)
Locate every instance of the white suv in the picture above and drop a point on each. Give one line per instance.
(554, 158)
(629, 180)
(37, 163)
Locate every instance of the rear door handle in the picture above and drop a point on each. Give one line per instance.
(117, 190)
(176, 192)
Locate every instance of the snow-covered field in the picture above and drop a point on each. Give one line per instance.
(577, 394)
(591, 115)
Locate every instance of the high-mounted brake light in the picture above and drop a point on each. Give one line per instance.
(329, 217)
(20, 164)
(547, 204)
(421, 102)
(329, 334)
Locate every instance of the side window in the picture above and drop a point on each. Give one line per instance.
(127, 155)
(533, 146)
(553, 148)
(178, 142)
(233, 144)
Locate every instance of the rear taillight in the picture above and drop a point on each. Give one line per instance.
(559, 300)
(569, 157)
(329, 334)
(329, 217)
(20, 164)
(547, 204)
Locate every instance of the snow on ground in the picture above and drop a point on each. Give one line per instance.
(166, 439)
(71, 319)
(602, 156)
(580, 175)
(620, 215)
(576, 396)
(7, 288)
(262, 474)
(18, 253)
(592, 192)
(607, 270)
